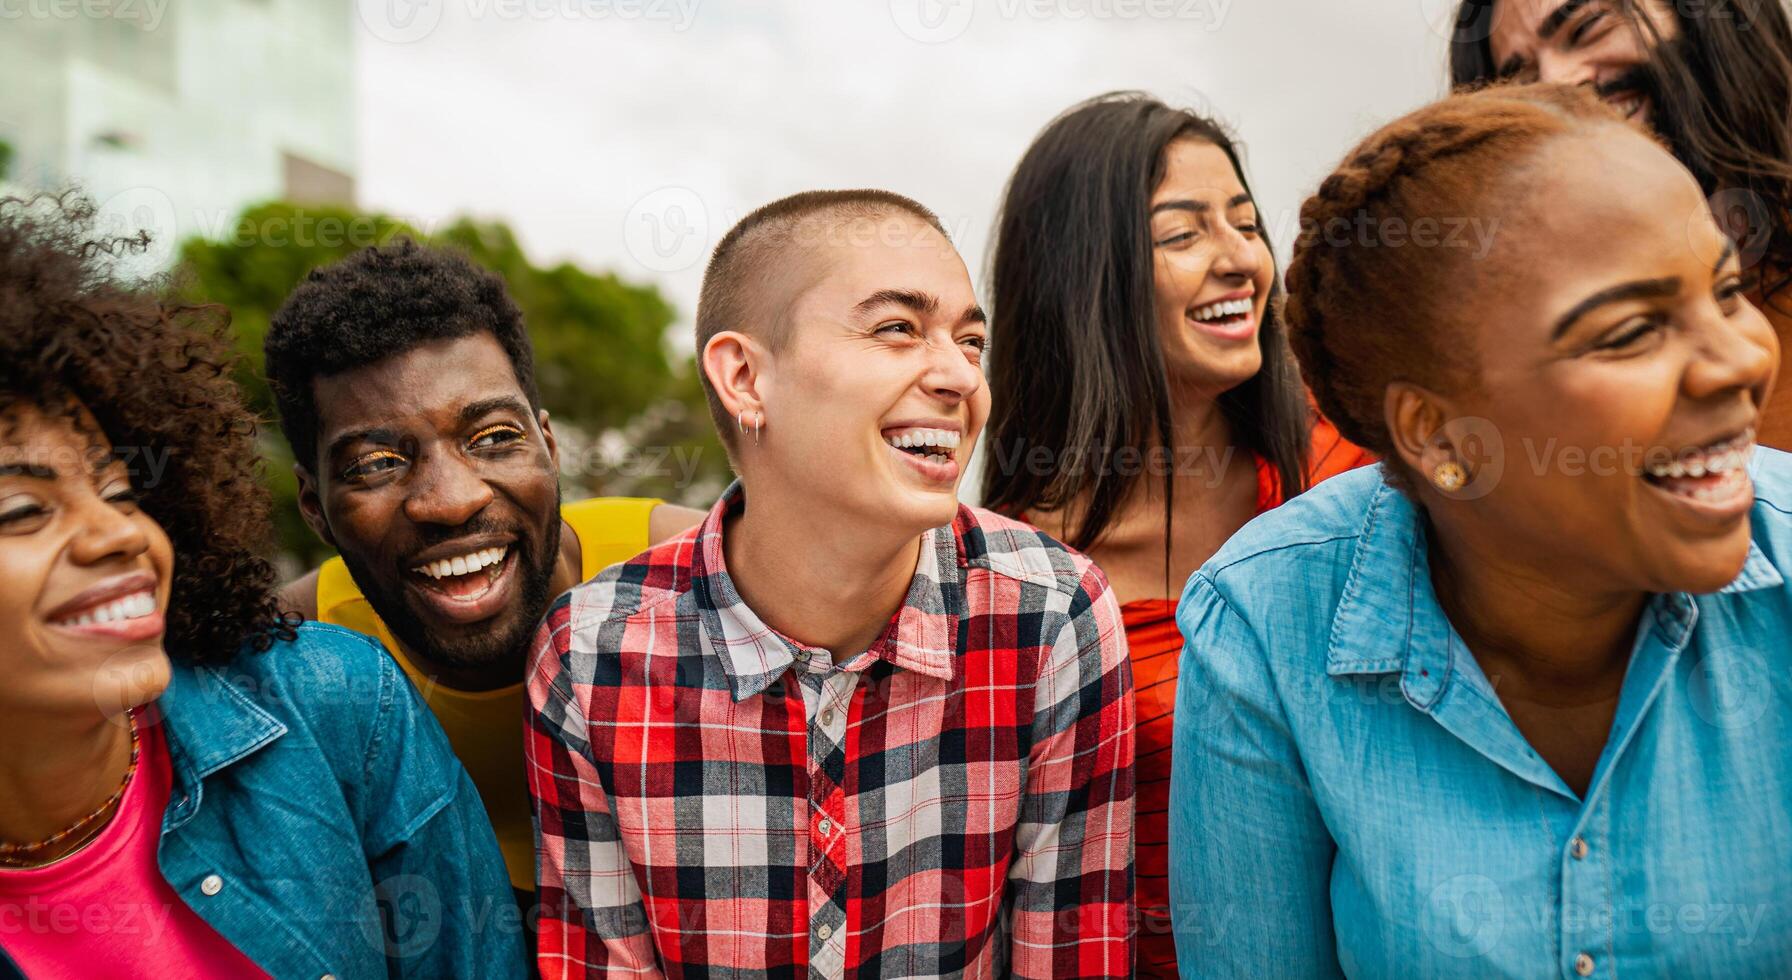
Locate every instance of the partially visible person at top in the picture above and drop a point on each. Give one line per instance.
(1714, 79)
(406, 387)
(1146, 405)
(847, 727)
(1515, 702)
(191, 784)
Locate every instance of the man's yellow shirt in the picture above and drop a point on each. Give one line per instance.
(486, 727)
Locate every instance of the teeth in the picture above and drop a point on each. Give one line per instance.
(135, 606)
(1714, 460)
(463, 565)
(1236, 307)
(916, 438)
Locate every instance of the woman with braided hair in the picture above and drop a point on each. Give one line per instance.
(1515, 702)
(1145, 404)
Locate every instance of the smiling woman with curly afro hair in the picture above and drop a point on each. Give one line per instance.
(156, 378)
(166, 732)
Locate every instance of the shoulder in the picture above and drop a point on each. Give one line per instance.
(660, 574)
(1024, 554)
(1286, 571)
(300, 594)
(1772, 517)
(326, 687)
(1319, 520)
(320, 669)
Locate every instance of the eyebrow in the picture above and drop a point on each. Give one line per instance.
(466, 416)
(1640, 289)
(1547, 29)
(1199, 207)
(924, 303)
(29, 470)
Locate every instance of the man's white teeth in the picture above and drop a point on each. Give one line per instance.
(914, 438)
(1711, 461)
(134, 606)
(464, 565)
(1236, 307)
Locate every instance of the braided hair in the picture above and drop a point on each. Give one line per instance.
(1364, 312)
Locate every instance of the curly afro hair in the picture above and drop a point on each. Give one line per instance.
(153, 376)
(377, 303)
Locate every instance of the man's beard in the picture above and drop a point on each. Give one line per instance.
(502, 638)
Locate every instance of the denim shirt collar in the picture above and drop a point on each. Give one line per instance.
(754, 656)
(210, 723)
(1389, 620)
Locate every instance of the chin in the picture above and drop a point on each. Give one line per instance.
(130, 679)
(1709, 569)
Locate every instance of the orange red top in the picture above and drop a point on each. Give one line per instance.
(1155, 649)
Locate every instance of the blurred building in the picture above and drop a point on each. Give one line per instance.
(175, 114)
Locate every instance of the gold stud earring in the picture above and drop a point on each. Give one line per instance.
(1449, 477)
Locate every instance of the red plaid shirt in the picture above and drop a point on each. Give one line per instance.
(715, 799)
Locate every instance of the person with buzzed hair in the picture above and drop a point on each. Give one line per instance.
(854, 728)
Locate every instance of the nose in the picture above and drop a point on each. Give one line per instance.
(1239, 257)
(950, 375)
(106, 533)
(1565, 68)
(1733, 359)
(446, 491)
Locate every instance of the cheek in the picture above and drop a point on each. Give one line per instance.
(161, 554)
(21, 588)
(1179, 278)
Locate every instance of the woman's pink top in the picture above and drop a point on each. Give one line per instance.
(106, 911)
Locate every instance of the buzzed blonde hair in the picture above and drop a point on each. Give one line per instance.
(749, 256)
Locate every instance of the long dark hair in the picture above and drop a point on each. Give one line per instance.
(1722, 94)
(1075, 363)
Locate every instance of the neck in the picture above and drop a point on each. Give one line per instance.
(1531, 627)
(56, 770)
(831, 584)
(569, 567)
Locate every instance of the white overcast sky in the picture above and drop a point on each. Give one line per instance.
(629, 134)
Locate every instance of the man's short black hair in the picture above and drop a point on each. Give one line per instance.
(377, 303)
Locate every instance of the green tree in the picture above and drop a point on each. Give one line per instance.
(5, 159)
(630, 413)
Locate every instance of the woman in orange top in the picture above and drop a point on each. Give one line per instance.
(1145, 402)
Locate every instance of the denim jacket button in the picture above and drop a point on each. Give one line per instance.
(212, 885)
(1578, 848)
(1583, 965)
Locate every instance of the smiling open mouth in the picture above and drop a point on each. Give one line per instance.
(1716, 474)
(934, 445)
(465, 577)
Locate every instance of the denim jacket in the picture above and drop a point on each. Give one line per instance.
(318, 820)
(1349, 797)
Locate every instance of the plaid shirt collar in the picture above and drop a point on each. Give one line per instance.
(922, 636)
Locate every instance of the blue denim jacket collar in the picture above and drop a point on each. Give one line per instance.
(1389, 620)
(210, 724)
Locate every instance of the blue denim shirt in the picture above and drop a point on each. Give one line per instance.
(312, 790)
(1349, 797)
